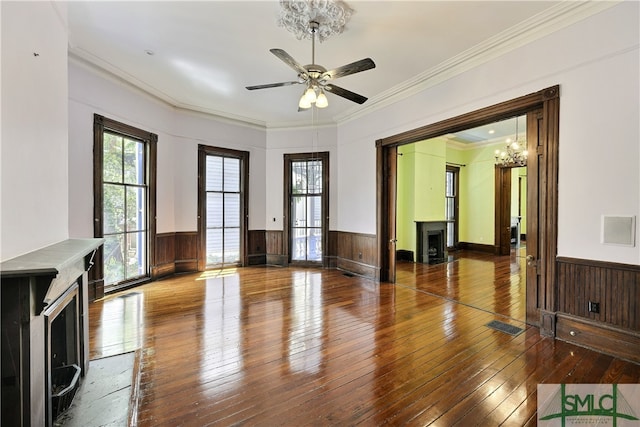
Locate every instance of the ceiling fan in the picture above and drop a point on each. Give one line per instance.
(317, 78)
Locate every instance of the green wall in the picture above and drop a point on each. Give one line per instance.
(421, 190)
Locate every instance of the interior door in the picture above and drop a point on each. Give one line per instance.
(391, 176)
(503, 210)
(535, 216)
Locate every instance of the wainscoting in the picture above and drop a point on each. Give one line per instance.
(356, 253)
(352, 252)
(612, 292)
(257, 250)
(175, 253)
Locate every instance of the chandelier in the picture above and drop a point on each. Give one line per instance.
(330, 15)
(514, 154)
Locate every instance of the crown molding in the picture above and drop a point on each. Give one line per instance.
(544, 23)
(117, 75)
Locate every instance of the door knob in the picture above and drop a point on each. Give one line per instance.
(393, 241)
(531, 260)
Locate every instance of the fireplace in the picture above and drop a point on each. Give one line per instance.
(44, 330)
(431, 241)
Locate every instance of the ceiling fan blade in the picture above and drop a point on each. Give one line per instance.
(354, 67)
(272, 85)
(351, 96)
(288, 59)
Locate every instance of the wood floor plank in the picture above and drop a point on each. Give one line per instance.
(299, 346)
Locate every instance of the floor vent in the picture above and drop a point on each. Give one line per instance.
(504, 327)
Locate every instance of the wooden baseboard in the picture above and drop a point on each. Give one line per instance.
(162, 270)
(279, 260)
(597, 336)
(257, 259)
(404, 255)
(360, 269)
(490, 249)
(186, 266)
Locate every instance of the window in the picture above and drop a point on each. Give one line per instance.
(124, 201)
(451, 205)
(307, 189)
(222, 206)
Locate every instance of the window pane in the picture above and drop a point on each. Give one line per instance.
(136, 255)
(136, 209)
(113, 209)
(214, 173)
(214, 246)
(232, 210)
(450, 208)
(231, 245)
(314, 211)
(314, 177)
(112, 158)
(450, 184)
(299, 211)
(113, 258)
(299, 177)
(231, 174)
(214, 210)
(133, 162)
(314, 248)
(299, 244)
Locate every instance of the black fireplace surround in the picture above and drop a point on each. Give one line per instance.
(431, 241)
(44, 327)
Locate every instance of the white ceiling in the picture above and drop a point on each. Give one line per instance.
(206, 52)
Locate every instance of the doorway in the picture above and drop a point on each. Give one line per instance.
(306, 207)
(542, 110)
(222, 207)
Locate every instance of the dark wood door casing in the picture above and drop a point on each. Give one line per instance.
(286, 235)
(203, 152)
(548, 101)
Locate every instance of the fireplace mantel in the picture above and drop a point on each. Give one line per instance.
(31, 285)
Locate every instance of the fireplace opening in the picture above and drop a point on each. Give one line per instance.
(62, 344)
(435, 246)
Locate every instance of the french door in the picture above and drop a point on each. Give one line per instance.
(306, 210)
(222, 207)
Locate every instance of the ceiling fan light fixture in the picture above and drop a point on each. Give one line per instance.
(322, 101)
(304, 102)
(310, 95)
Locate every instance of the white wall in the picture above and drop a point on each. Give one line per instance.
(34, 191)
(179, 133)
(292, 141)
(596, 63)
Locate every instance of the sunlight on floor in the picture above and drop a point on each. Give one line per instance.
(212, 274)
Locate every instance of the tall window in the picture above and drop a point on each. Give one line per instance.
(307, 188)
(124, 201)
(451, 205)
(223, 206)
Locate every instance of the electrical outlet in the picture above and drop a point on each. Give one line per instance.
(594, 307)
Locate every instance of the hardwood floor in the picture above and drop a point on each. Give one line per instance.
(287, 346)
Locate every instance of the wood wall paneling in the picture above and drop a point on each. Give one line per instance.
(357, 253)
(615, 288)
(275, 248)
(257, 247)
(165, 255)
(186, 251)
